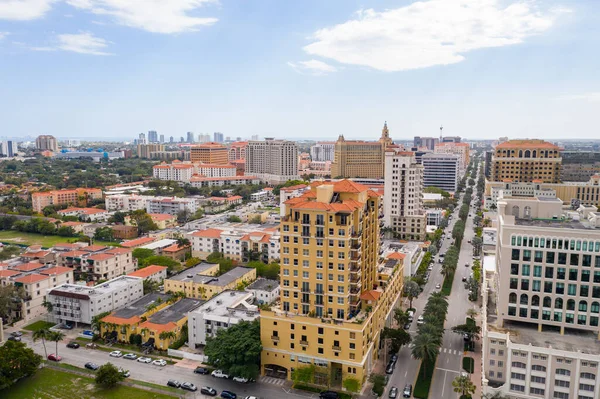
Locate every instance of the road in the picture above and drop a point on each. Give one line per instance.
(160, 375)
(449, 363)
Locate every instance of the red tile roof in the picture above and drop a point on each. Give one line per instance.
(396, 255)
(74, 254)
(121, 321)
(159, 327)
(93, 248)
(31, 278)
(137, 242)
(8, 273)
(208, 233)
(175, 248)
(36, 254)
(161, 216)
(527, 144)
(27, 267)
(53, 271)
(100, 257)
(371, 295)
(147, 271)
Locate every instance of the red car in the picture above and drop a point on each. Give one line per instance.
(54, 357)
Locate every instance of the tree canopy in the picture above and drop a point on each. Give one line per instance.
(236, 349)
(108, 375)
(11, 298)
(18, 361)
(142, 221)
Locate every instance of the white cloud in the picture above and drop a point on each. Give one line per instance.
(590, 97)
(3, 35)
(83, 43)
(24, 10)
(428, 33)
(158, 16)
(312, 67)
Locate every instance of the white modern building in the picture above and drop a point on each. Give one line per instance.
(441, 171)
(72, 303)
(265, 291)
(220, 312)
(403, 195)
(274, 161)
(323, 151)
(125, 202)
(287, 193)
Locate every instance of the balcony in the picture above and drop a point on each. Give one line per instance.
(305, 301)
(275, 338)
(304, 343)
(336, 348)
(354, 291)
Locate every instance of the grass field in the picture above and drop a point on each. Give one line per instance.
(38, 325)
(54, 384)
(17, 237)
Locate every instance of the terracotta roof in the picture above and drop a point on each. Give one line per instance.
(27, 267)
(175, 248)
(371, 295)
(31, 278)
(56, 270)
(71, 224)
(74, 253)
(147, 271)
(374, 193)
(527, 144)
(161, 216)
(121, 321)
(8, 273)
(118, 251)
(137, 242)
(396, 255)
(93, 248)
(100, 257)
(348, 186)
(158, 327)
(36, 254)
(208, 233)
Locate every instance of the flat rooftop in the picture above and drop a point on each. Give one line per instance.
(159, 244)
(140, 306)
(554, 223)
(223, 279)
(176, 311)
(97, 290)
(230, 303)
(264, 285)
(189, 274)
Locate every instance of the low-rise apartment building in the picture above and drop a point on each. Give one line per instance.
(125, 202)
(201, 181)
(183, 172)
(72, 303)
(201, 281)
(87, 214)
(78, 196)
(162, 220)
(152, 272)
(171, 205)
(93, 264)
(236, 242)
(265, 291)
(221, 312)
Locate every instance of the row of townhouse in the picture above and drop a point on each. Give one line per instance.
(152, 204)
(236, 244)
(184, 172)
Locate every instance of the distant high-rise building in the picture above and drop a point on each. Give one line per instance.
(227, 138)
(460, 149)
(441, 171)
(46, 143)
(451, 139)
(162, 138)
(8, 148)
(403, 200)
(275, 161)
(142, 139)
(181, 139)
(323, 151)
(254, 137)
(212, 153)
(427, 142)
(171, 139)
(145, 150)
(152, 136)
(238, 139)
(218, 137)
(525, 161)
(190, 137)
(358, 158)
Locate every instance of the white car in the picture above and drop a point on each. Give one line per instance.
(144, 360)
(240, 379)
(438, 286)
(159, 362)
(219, 374)
(420, 320)
(116, 353)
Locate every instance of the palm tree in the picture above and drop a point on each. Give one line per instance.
(411, 290)
(425, 348)
(400, 316)
(56, 336)
(471, 312)
(463, 385)
(42, 334)
(167, 335)
(182, 242)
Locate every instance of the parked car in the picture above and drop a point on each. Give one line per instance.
(130, 356)
(467, 264)
(54, 357)
(250, 397)
(466, 337)
(16, 334)
(464, 279)
(420, 320)
(159, 362)
(407, 391)
(116, 353)
(14, 338)
(144, 360)
(393, 393)
(188, 386)
(407, 326)
(91, 366)
(125, 373)
(329, 395)
(438, 286)
(91, 345)
(73, 345)
(66, 326)
(202, 370)
(219, 374)
(173, 383)
(228, 395)
(240, 379)
(390, 368)
(208, 391)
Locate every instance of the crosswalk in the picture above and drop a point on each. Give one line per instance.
(451, 351)
(272, 380)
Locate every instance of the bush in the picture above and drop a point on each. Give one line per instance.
(423, 383)
(468, 364)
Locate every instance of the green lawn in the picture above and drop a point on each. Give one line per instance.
(17, 237)
(38, 325)
(54, 384)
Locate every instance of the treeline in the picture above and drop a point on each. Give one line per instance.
(36, 225)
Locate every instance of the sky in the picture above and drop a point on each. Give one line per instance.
(309, 69)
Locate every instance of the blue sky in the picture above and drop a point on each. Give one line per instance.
(300, 69)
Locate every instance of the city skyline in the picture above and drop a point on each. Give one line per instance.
(102, 68)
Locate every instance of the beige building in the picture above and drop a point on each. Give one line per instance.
(541, 338)
(98, 263)
(210, 153)
(274, 161)
(46, 143)
(146, 150)
(460, 149)
(78, 196)
(357, 158)
(335, 298)
(237, 150)
(526, 161)
(403, 210)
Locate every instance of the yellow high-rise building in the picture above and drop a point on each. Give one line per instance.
(358, 158)
(335, 296)
(525, 161)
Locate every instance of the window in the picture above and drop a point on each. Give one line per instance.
(525, 270)
(537, 391)
(517, 388)
(539, 380)
(537, 367)
(549, 257)
(589, 376)
(517, 376)
(515, 254)
(518, 365)
(561, 395)
(514, 269)
(586, 387)
(537, 271)
(564, 372)
(549, 272)
(560, 274)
